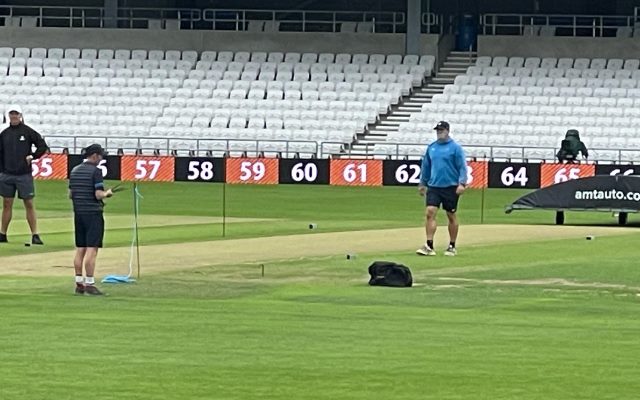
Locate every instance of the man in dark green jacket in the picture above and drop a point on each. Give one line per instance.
(571, 146)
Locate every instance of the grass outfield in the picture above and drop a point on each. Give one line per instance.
(534, 319)
(289, 208)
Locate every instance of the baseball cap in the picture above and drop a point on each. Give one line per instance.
(14, 107)
(93, 149)
(442, 125)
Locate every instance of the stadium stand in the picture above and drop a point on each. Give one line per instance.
(519, 108)
(220, 102)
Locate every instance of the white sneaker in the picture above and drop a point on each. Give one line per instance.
(451, 251)
(426, 251)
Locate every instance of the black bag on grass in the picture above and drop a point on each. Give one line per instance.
(385, 273)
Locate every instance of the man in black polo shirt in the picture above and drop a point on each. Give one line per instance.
(86, 190)
(16, 154)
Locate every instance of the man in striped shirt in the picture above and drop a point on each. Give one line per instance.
(87, 192)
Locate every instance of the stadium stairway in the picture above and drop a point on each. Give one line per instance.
(455, 64)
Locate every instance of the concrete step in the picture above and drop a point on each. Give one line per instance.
(364, 143)
(447, 75)
(414, 106)
(376, 133)
(391, 120)
(384, 128)
(370, 143)
(458, 64)
(395, 118)
(452, 69)
(463, 54)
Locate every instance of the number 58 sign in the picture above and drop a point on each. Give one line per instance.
(147, 168)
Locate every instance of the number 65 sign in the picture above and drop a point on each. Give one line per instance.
(50, 166)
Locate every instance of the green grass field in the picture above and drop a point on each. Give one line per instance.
(535, 319)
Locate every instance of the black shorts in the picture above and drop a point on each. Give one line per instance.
(89, 229)
(23, 184)
(445, 196)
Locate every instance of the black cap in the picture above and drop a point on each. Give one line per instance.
(93, 149)
(442, 125)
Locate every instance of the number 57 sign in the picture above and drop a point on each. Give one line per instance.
(147, 168)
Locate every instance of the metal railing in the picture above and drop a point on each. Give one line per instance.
(166, 146)
(566, 25)
(321, 149)
(56, 16)
(491, 152)
(223, 19)
(304, 21)
(135, 17)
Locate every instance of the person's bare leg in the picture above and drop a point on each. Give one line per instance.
(30, 208)
(431, 223)
(453, 226)
(90, 269)
(90, 261)
(7, 212)
(78, 260)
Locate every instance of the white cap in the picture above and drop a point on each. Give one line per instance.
(14, 107)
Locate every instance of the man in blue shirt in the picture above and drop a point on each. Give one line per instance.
(443, 179)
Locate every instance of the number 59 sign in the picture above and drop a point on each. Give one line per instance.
(147, 168)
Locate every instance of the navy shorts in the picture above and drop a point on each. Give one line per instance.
(89, 229)
(23, 184)
(446, 196)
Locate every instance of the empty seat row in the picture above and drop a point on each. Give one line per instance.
(507, 72)
(227, 56)
(284, 76)
(96, 63)
(575, 120)
(553, 62)
(126, 86)
(102, 54)
(580, 91)
(627, 107)
(544, 99)
(304, 67)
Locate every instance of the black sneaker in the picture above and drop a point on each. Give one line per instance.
(92, 290)
(35, 239)
(79, 289)
(3, 238)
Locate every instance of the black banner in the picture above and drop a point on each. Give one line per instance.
(110, 166)
(514, 175)
(617, 169)
(199, 169)
(401, 173)
(304, 171)
(599, 193)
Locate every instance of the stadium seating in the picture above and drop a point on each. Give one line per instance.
(521, 108)
(181, 100)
